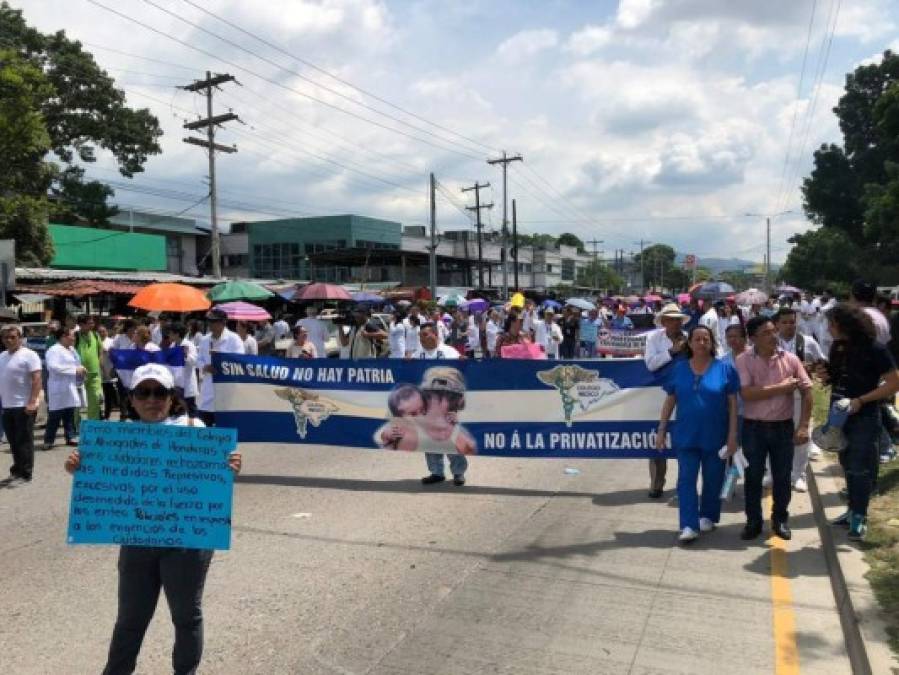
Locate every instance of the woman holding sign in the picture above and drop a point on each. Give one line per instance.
(144, 570)
(704, 390)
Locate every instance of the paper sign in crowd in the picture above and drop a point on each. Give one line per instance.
(153, 485)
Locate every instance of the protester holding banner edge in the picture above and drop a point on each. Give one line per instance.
(664, 345)
(144, 570)
(704, 391)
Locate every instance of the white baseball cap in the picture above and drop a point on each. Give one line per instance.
(155, 372)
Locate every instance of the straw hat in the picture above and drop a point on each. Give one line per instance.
(670, 311)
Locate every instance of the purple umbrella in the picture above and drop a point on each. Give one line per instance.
(476, 305)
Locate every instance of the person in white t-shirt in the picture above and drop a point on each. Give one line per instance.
(863, 294)
(548, 335)
(474, 336)
(220, 339)
(413, 328)
(316, 329)
(64, 376)
(20, 390)
(397, 336)
(250, 346)
(529, 319)
(493, 330)
(440, 325)
(282, 328)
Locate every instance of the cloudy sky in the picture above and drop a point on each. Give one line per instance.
(660, 120)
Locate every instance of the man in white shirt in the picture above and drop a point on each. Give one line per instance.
(663, 346)
(529, 319)
(430, 349)
(316, 330)
(474, 336)
(808, 315)
(220, 339)
(413, 326)
(862, 295)
(20, 390)
(185, 377)
(493, 330)
(282, 328)
(548, 335)
(809, 352)
(442, 330)
(397, 336)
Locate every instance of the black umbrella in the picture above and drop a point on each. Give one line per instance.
(713, 290)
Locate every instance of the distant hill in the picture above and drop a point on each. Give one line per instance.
(718, 265)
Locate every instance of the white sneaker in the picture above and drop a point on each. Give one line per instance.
(766, 481)
(688, 534)
(800, 485)
(706, 525)
(814, 452)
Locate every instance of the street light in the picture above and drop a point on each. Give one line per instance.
(768, 217)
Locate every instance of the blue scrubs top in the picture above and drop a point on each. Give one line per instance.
(701, 404)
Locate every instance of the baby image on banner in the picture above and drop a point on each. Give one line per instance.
(153, 485)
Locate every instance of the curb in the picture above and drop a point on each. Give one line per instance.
(864, 630)
(852, 634)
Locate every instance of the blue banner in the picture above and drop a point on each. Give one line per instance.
(494, 407)
(129, 359)
(152, 485)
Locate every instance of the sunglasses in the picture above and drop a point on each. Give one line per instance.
(145, 393)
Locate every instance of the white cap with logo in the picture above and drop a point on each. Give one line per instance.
(153, 371)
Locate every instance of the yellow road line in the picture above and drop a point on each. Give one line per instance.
(786, 654)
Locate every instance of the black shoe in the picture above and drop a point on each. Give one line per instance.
(782, 530)
(431, 479)
(72, 444)
(655, 493)
(459, 480)
(751, 531)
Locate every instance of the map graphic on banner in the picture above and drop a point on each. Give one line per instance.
(499, 408)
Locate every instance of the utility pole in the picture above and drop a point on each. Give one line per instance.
(210, 123)
(515, 245)
(432, 249)
(768, 218)
(505, 160)
(641, 244)
(595, 243)
(477, 187)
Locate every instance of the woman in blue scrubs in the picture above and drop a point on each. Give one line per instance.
(704, 391)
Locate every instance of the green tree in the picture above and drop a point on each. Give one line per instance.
(24, 142)
(568, 239)
(657, 263)
(853, 189)
(596, 274)
(80, 110)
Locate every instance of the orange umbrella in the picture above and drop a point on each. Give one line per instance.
(170, 298)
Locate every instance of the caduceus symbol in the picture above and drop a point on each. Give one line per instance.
(565, 378)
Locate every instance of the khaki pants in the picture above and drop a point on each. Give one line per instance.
(657, 470)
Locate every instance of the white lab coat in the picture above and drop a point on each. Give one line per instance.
(63, 390)
(228, 343)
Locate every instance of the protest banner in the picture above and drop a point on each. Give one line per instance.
(621, 343)
(152, 485)
(496, 407)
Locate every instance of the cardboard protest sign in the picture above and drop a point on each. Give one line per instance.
(152, 485)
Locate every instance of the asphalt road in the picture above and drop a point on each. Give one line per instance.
(341, 562)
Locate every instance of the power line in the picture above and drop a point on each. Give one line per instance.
(284, 86)
(336, 78)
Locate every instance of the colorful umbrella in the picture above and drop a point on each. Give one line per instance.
(683, 297)
(244, 311)
(551, 303)
(319, 291)
(751, 296)
(168, 297)
(631, 300)
(580, 303)
(238, 290)
(476, 305)
(786, 288)
(712, 290)
(652, 297)
(451, 300)
(370, 298)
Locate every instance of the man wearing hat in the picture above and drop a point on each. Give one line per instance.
(664, 345)
(431, 349)
(222, 340)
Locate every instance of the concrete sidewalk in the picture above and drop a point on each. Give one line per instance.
(342, 562)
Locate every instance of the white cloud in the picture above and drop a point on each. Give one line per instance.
(589, 40)
(527, 43)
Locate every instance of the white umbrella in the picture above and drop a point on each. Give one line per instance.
(580, 303)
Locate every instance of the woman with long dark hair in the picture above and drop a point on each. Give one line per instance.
(145, 570)
(704, 391)
(863, 371)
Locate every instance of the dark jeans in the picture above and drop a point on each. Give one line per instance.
(54, 417)
(110, 398)
(181, 573)
(207, 417)
(566, 349)
(861, 458)
(124, 407)
(762, 440)
(19, 427)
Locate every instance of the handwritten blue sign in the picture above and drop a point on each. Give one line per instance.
(153, 485)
